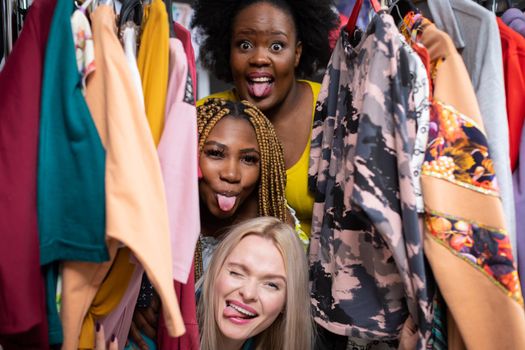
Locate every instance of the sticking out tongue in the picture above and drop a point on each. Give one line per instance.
(260, 90)
(226, 203)
(231, 312)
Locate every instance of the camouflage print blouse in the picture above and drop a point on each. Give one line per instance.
(367, 268)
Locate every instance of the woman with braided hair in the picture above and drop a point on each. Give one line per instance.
(243, 174)
(264, 47)
(243, 177)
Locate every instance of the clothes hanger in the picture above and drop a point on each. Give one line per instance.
(350, 25)
(399, 9)
(131, 10)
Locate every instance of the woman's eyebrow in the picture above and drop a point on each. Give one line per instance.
(211, 142)
(265, 276)
(250, 150)
(250, 31)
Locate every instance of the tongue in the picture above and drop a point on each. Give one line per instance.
(226, 203)
(260, 90)
(231, 312)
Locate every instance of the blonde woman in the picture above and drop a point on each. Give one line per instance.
(255, 292)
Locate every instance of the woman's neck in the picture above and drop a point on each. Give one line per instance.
(230, 344)
(288, 105)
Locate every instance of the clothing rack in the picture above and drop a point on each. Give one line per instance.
(12, 17)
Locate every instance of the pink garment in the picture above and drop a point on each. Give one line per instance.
(184, 36)
(136, 210)
(178, 152)
(119, 320)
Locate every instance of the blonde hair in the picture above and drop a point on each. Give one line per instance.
(293, 329)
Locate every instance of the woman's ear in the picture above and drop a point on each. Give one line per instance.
(298, 52)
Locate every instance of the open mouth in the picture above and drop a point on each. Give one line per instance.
(240, 311)
(226, 201)
(260, 87)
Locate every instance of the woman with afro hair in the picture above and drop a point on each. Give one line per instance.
(265, 48)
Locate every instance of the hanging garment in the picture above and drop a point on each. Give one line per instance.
(465, 238)
(23, 323)
(419, 105)
(513, 49)
(118, 322)
(190, 340)
(367, 268)
(184, 36)
(135, 200)
(465, 233)
(297, 193)
(153, 62)
(129, 42)
(519, 193)
(108, 297)
(476, 36)
(515, 19)
(84, 49)
(178, 154)
(71, 166)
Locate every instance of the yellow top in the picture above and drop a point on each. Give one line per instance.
(153, 63)
(108, 297)
(297, 194)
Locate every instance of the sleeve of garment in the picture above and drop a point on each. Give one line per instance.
(178, 154)
(484, 62)
(23, 316)
(153, 62)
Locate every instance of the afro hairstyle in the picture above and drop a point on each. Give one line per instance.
(314, 20)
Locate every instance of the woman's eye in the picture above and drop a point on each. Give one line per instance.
(277, 46)
(273, 285)
(245, 45)
(235, 273)
(214, 153)
(250, 160)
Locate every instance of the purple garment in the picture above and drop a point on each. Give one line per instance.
(515, 19)
(118, 322)
(518, 179)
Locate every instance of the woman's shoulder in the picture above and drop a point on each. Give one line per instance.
(315, 86)
(229, 95)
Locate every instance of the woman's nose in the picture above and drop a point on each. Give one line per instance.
(230, 171)
(248, 290)
(260, 57)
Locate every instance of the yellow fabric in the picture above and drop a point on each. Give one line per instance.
(297, 194)
(107, 297)
(153, 63)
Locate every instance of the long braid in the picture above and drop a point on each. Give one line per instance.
(273, 173)
(272, 179)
